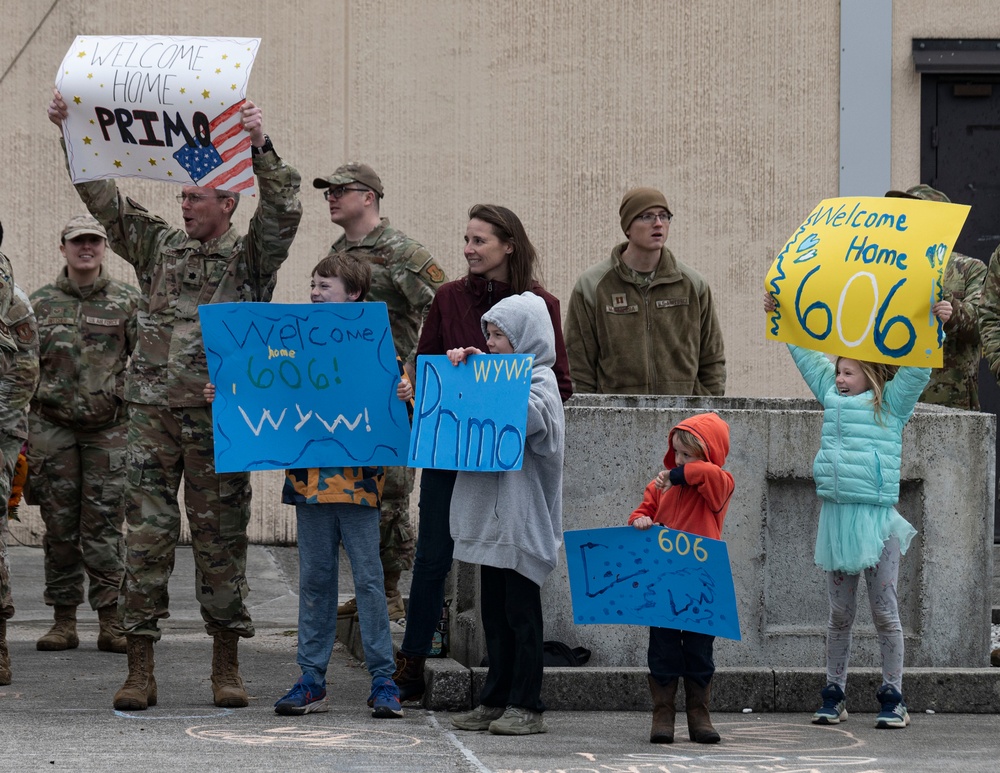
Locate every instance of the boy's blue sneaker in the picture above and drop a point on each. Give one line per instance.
(384, 699)
(305, 697)
(893, 713)
(834, 708)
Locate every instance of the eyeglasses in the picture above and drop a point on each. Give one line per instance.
(339, 191)
(651, 217)
(194, 198)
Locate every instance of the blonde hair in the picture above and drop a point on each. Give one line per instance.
(878, 375)
(692, 444)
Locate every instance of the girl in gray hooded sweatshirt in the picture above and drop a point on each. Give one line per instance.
(511, 524)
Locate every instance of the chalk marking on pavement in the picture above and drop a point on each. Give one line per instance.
(157, 715)
(466, 752)
(722, 761)
(306, 736)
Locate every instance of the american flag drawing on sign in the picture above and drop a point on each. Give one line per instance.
(226, 163)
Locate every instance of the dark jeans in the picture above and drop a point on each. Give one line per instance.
(431, 563)
(512, 621)
(674, 654)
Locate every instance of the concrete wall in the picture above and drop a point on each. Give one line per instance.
(614, 447)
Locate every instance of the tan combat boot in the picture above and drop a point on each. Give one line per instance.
(393, 598)
(696, 700)
(348, 609)
(227, 684)
(5, 675)
(664, 710)
(111, 637)
(62, 634)
(139, 690)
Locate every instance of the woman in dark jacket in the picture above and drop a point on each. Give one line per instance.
(502, 262)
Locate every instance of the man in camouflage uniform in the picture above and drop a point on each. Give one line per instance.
(405, 277)
(18, 378)
(87, 331)
(956, 383)
(169, 420)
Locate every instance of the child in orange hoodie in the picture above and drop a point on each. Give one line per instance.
(692, 495)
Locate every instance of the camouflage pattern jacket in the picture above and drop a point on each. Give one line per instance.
(405, 277)
(177, 275)
(989, 314)
(956, 383)
(85, 342)
(18, 365)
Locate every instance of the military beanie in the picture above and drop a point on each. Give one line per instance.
(637, 201)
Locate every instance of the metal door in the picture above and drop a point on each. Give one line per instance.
(960, 155)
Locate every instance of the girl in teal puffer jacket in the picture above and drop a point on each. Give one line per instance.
(865, 407)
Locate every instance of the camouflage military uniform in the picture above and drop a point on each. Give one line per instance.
(77, 437)
(170, 424)
(405, 277)
(18, 378)
(956, 383)
(989, 314)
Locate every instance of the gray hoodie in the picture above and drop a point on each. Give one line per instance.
(513, 520)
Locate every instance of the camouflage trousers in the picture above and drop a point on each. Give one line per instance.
(76, 478)
(396, 543)
(165, 444)
(10, 447)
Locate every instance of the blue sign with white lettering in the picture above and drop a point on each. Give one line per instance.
(471, 416)
(303, 385)
(657, 577)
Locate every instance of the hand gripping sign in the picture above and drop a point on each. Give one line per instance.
(303, 385)
(657, 577)
(859, 277)
(161, 108)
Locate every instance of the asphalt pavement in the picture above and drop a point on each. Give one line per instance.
(57, 714)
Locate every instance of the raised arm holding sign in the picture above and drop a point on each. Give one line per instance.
(860, 276)
(170, 425)
(162, 108)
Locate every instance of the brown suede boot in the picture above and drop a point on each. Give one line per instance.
(227, 684)
(139, 690)
(409, 676)
(5, 675)
(393, 598)
(348, 609)
(111, 637)
(664, 710)
(696, 700)
(62, 634)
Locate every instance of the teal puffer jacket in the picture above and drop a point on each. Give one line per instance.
(859, 457)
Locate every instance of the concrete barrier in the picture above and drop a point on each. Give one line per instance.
(615, 445)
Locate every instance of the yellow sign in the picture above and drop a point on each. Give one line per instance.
(859, 277)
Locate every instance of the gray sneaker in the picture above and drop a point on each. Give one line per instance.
(477, 719)
(519, 721)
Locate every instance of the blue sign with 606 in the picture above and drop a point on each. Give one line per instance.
(658, 577)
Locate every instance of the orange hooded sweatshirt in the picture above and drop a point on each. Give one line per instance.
(698, 498)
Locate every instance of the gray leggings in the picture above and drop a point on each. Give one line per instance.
(842, 590)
